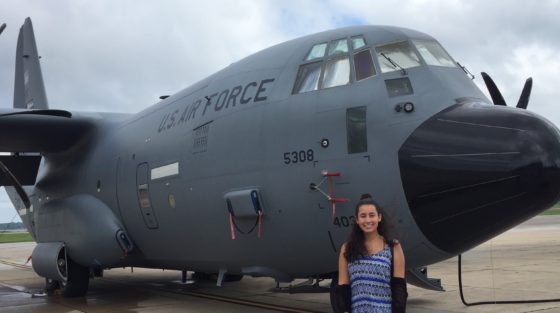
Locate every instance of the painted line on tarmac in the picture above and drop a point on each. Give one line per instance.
(256, 304)
(20, 266)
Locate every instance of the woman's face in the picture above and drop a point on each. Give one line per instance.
(368, 218)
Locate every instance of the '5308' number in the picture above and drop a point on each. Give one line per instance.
(299, 156)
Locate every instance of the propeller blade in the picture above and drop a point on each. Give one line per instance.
(16, 184)
(495, 93)
(525, 94)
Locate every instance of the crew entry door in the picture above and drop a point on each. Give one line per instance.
(143, 194)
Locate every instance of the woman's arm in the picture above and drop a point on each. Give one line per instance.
(398, 283)
(398, 261)
(343, 292)
(343, 276)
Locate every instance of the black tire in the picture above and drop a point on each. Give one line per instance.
(78, 280)
(332, 292)
(51, 286)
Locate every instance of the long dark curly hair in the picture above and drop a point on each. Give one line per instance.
(355, 245)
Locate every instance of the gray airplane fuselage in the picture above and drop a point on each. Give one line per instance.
(164, 174)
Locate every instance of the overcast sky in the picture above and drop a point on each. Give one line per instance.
(119, 56)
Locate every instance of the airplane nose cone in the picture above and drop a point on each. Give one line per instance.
(473, 171)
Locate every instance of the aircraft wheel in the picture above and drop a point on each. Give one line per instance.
(78, 280)
(51, 286)
(333, 289)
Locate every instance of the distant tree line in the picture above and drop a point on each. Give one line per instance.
(10, 226)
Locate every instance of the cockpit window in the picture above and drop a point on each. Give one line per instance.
(358, 42)
(338, 47)
(330, 65)
(433, 53)
(363, 65)
(396, 56)
(308, 77)
(318, 51)
(337, 73)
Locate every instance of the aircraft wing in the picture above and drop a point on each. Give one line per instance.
(42, 131)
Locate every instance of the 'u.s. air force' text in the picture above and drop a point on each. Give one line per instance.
(227, 98)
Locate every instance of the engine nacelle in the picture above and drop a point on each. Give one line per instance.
(49, 260)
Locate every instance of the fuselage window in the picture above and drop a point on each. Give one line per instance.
(398, 87)
(356, 131)
(143, 192)
(318, 51)
(433, 53)
(337, 73)
(144, 196)
(397, 56)
(308, 77)
(363, 65)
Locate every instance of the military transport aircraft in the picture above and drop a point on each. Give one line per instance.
(254, 170)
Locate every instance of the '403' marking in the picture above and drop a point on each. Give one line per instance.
(344, 221)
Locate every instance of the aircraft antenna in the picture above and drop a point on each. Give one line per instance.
(2, 27)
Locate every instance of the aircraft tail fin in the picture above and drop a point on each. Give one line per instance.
(29, 89)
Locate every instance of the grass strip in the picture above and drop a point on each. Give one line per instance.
(8, 237)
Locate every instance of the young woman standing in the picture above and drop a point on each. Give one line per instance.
(371, 267)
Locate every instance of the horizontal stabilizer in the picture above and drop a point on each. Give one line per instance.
(23, 167)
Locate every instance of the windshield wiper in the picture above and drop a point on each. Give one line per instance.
(395, 65)
(466, 70)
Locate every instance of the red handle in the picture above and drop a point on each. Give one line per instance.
(335, 200)
(331, 174)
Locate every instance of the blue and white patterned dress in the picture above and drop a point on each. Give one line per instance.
(370, 282)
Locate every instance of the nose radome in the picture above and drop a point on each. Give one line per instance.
(473, 171)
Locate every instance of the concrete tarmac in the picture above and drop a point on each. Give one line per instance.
(521, 264)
